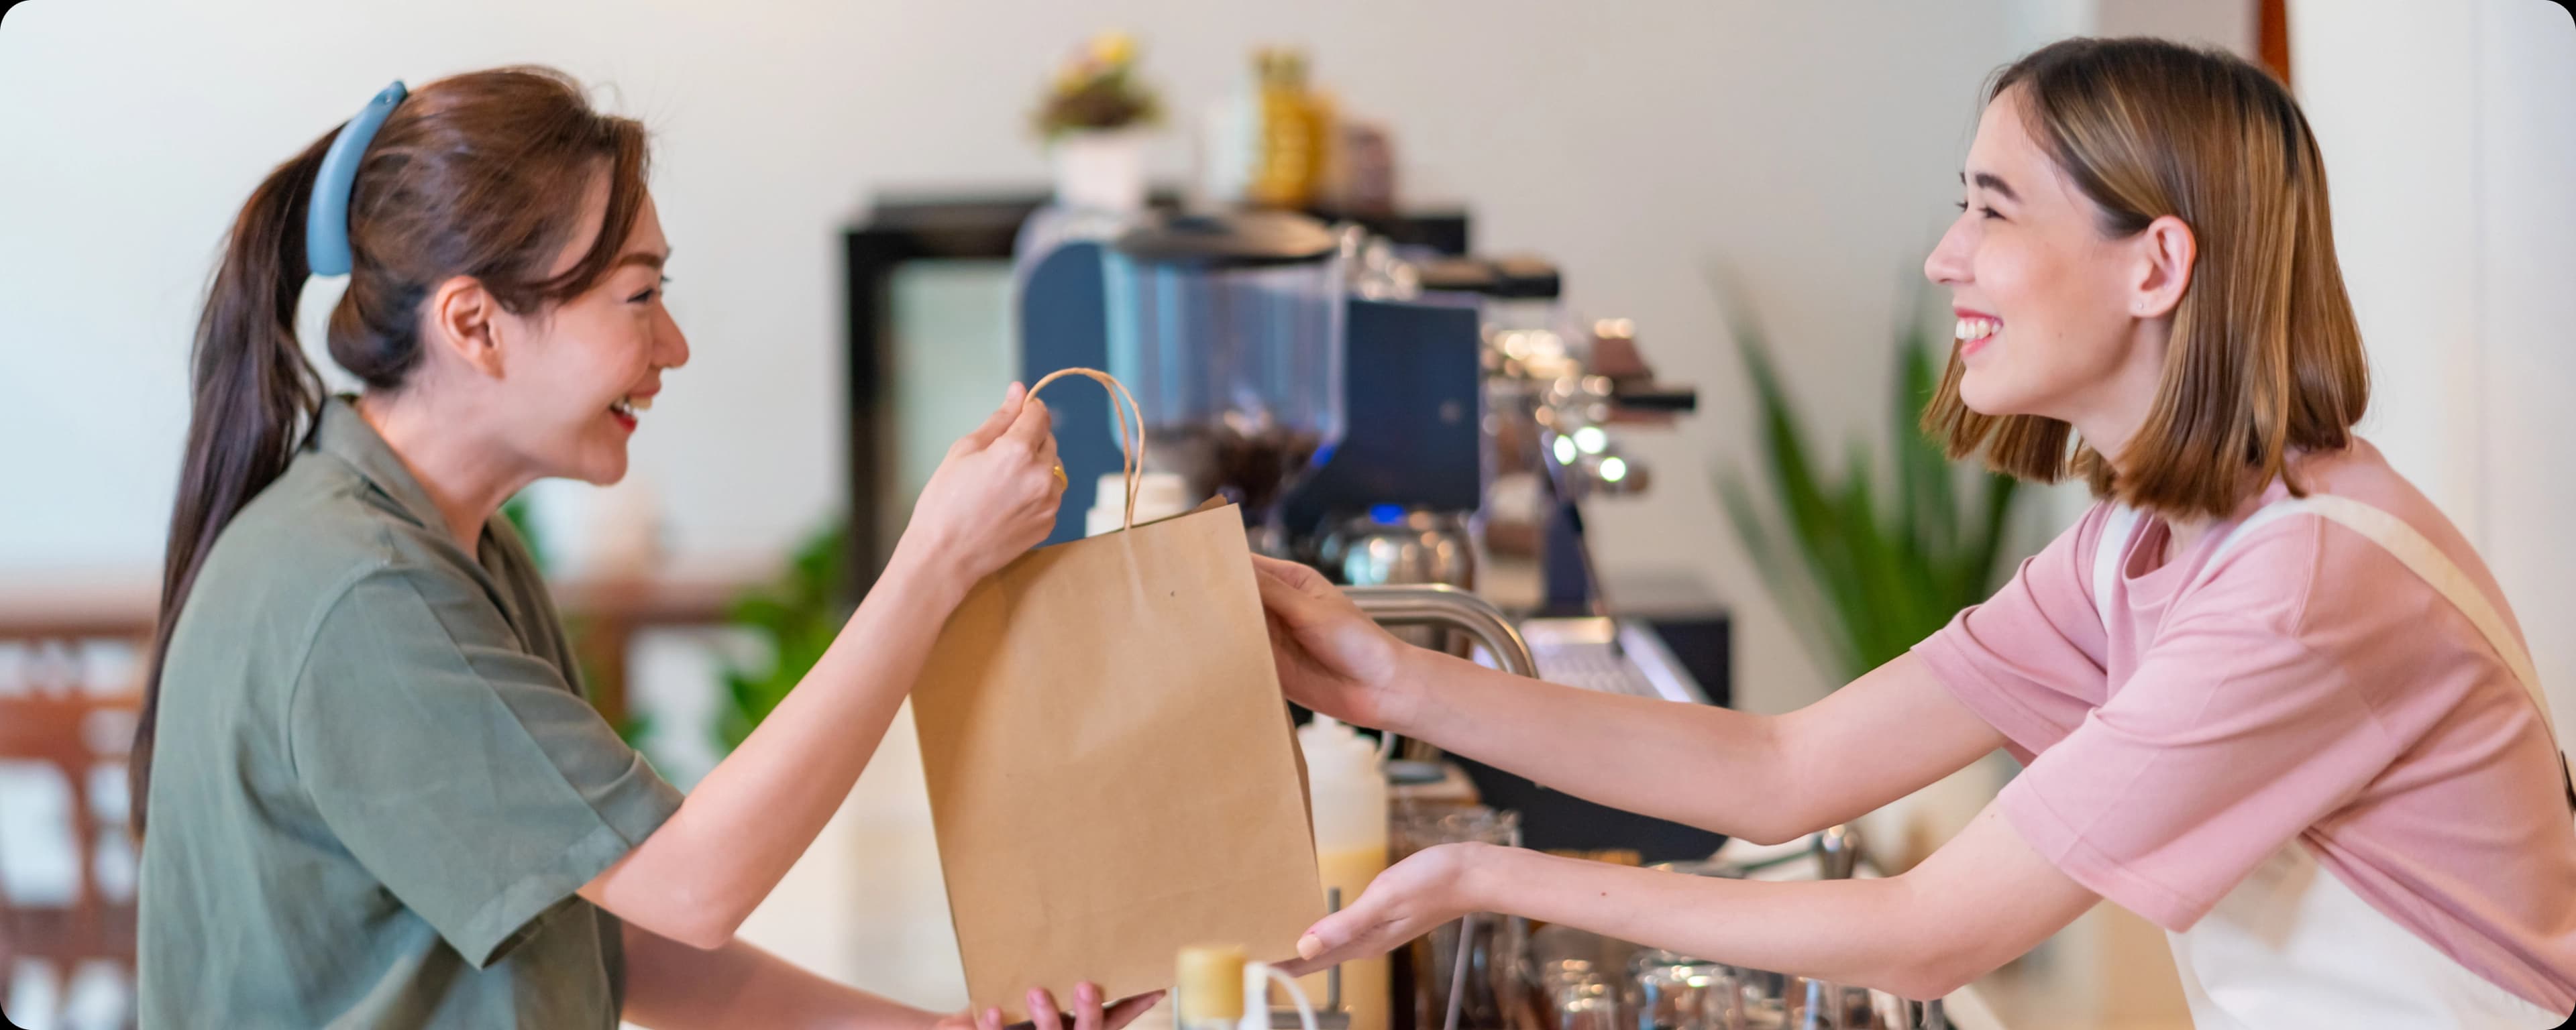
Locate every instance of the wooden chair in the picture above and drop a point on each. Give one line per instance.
(49, 720)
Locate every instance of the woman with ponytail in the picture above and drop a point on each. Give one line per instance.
(371, 791)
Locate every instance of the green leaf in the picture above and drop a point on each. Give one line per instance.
(796, 617)
(1864, 580)
(1808, 614)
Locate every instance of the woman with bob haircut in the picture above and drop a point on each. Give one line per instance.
(2265, 694)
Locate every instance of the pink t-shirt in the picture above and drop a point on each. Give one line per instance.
(2305, 686)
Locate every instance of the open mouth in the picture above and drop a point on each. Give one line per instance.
(1975, 330)
(625, 408)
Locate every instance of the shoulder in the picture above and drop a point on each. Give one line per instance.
(2308, 573)
(2076, 556)
(302, 546)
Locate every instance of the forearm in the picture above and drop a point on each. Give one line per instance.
(1630, 753)
(1983, 899)
(1763, 778)
(1870, 933)
(740, 830)
(671, 986)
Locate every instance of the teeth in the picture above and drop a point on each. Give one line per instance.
(1978, 328)
(639, 403)
(623, 406)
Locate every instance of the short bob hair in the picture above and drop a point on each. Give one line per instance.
(2265, 357)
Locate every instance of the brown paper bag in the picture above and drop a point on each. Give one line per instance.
(1111, 767)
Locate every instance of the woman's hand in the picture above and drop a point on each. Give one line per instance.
(1404, 902)
(1043, 1014)
(993, 498)
(1331, 657)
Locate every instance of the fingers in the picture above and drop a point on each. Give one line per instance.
(1294, 574)
(1300, 967)
(1042, 1011)
(989, 1019)
(1086, 1006)
(1048, 459)
(1013, 400)
(1125, 1012)
(1339, 937)
(1280, 593)
(1033, 427)
(1320, 956)
(1299, 578)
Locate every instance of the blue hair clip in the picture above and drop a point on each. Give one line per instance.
(326, 225)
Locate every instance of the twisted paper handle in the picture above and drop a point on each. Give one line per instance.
(1131, 438)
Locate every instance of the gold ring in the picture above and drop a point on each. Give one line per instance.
(1060, 482)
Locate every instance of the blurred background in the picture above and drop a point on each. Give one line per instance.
(1743, 190)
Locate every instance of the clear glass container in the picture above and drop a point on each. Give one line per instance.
(1229, 330)
(1494, 945)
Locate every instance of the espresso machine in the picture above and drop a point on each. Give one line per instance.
(1423, 429)
(1347, 398)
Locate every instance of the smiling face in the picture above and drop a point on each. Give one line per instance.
(2144, 257)
(576, 376)
(2046, 303)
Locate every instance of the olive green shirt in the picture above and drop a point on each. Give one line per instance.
(377, 784)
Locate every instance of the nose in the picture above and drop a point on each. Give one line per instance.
(1948, 263)
(670, 346)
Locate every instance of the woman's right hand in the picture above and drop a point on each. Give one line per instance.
(1331, 657)
(1088, 1013)
(994, 496)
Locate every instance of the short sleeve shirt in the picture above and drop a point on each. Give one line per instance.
(376, 784)
(2303, 686)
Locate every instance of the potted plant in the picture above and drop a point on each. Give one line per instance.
(1864, 575)
(795, 618)
(1866, 578)
(1091, 119)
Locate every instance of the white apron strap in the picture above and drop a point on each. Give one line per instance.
(2433, 567)
(2116, 530)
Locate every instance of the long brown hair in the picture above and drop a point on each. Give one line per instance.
(2265, 355)
(481, 175)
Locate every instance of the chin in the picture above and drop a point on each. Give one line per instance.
(597, 463)
(604, 473)
(1986, 397)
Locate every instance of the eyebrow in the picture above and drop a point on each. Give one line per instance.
(1991, 181)
(647, 259)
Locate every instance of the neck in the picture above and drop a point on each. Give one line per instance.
(2110, 414)
(2118, 408)
(465, 478)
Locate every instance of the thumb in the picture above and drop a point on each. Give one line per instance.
(1282, 595)
(1316, 947)
(1032, 425)
(999, 420)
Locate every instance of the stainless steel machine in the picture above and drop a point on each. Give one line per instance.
(1425, 425)
(1394, 418)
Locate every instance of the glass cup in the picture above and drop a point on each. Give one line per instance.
(1676, 992)
(1494, 944)
(1583, 1001)
(1775, 1001)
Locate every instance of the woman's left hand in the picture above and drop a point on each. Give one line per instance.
(1044, 1014)
(1404, 902)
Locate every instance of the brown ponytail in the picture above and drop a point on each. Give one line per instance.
(482, 175)
(252, 396)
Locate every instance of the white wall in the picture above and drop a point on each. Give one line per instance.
(1810, 149)
(2449, 131)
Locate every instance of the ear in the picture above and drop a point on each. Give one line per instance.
(466, 320)
(2165, 253)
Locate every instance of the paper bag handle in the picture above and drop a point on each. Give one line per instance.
(1131, 440)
